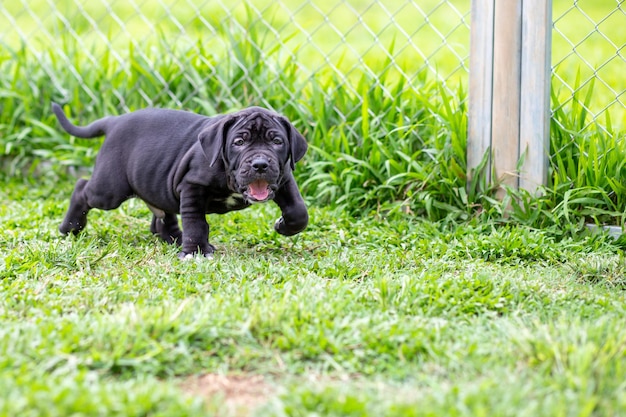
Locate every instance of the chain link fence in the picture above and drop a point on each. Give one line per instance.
(389, 40)
(589, 61)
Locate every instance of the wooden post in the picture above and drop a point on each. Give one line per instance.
(507, 47)
(480, 83)
(535, 97)
(509, 107)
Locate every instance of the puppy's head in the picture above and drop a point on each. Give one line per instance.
(257, 146)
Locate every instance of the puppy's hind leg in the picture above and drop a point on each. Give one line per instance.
(165, 225)
(104, 195)
(76, 216)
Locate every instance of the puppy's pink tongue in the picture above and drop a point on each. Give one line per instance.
(259, 190)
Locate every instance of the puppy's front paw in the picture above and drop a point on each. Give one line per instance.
(185, 256)
(281, 227)
(207, 252)
(290, 229)
(279, 224)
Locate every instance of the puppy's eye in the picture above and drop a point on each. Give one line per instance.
(238, 142)
(277, 140)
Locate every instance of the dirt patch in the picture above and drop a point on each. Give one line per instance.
(240, 394)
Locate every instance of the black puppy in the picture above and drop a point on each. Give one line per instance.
(182, 162)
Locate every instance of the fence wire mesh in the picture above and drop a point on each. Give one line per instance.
(344, 39)
(589, 41)
(409, 39)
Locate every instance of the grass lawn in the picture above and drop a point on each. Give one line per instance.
(354, 317)
(459, 309)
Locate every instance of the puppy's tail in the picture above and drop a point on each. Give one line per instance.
(93, 130)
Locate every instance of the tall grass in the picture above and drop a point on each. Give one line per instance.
(378, 143)
(588, 163)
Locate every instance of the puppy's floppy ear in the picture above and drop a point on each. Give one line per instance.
(297, 143)
(213, 138)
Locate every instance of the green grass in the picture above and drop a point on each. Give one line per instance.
(351, 318)
(411, 293)
(379, 142)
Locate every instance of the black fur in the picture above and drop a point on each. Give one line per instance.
(184, 163)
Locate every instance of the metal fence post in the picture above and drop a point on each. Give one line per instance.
(509, 103)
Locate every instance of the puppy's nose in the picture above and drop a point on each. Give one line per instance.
(260, 164)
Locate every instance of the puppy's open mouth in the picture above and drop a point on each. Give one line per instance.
(258, 191)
